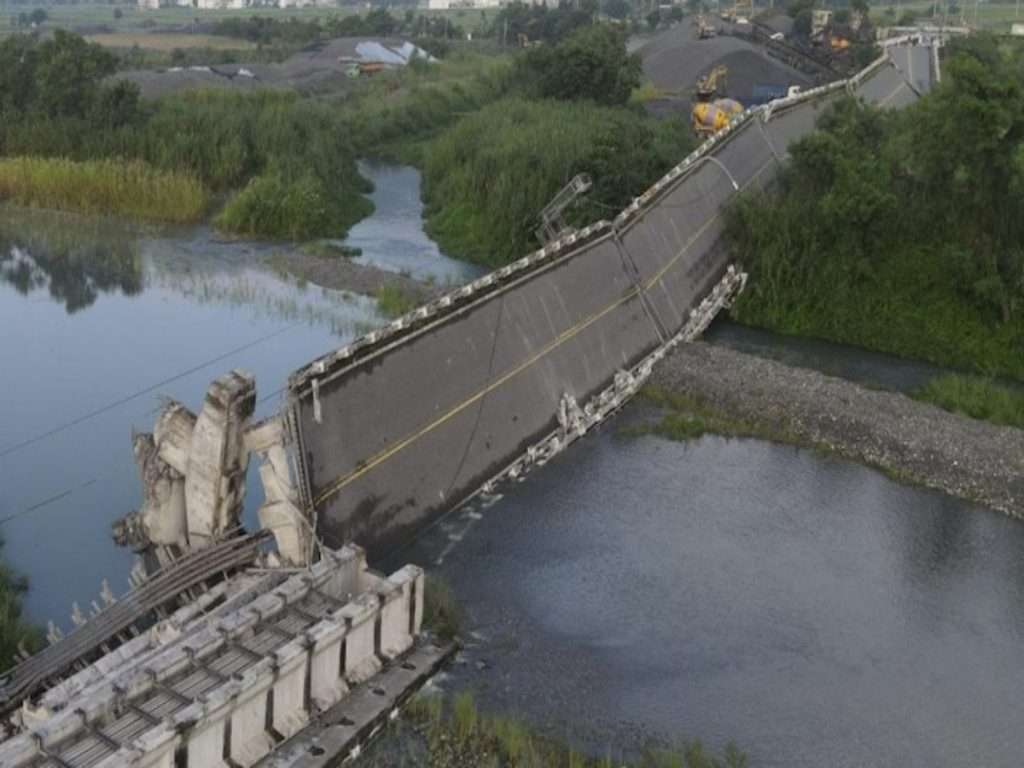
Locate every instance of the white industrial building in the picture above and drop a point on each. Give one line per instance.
(212, 5)
(444, 5)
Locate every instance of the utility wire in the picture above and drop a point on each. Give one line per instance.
(147, 390)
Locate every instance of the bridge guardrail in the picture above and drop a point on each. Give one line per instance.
(415, 418)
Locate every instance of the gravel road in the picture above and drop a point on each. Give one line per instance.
(912, 440)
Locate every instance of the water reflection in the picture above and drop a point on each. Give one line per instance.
(74, 259)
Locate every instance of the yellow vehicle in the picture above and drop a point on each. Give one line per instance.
(709, 117)
(712, 82)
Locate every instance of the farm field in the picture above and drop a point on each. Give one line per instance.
(993, 16)
(168, 41)
(183, 19)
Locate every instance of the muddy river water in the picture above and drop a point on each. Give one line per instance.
(633, 590)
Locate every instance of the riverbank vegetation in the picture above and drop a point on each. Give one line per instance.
(486, 179)
(976, 397)
(455, 733)
(15, 633)
(102, 187)
(286, 164)
(901, 231)
(683, 417)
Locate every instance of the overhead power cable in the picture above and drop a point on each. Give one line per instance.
(140, 393)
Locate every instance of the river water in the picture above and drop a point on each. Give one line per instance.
(100, 320)
(633, 590)
(639, 591)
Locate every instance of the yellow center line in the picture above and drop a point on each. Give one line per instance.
(565, 336)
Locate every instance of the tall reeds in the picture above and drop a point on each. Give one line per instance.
(122, 187)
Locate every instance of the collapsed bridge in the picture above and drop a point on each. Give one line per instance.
(223, 656)
(414, 418)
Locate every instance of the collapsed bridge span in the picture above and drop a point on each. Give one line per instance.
(414, 418)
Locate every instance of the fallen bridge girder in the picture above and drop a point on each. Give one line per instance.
(411, 421)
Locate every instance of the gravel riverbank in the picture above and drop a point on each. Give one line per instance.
(911, 440)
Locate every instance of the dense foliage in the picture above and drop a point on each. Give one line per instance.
(976, 397)
(591, 64)
(487, 178)
(61, 78)
(15, 633)
(292, 154)
(540, 22)
(54, 103)
(901, 231)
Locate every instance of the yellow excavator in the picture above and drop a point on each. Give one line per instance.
(711, 115)
(709, 84)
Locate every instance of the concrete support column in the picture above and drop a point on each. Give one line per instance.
(326, 684)
(360, 615)
(290, 712)
(205, 742)
(249, 738)
(396, 614)
(414, 576)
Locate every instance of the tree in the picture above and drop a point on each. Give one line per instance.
(803, 23)
(380, 22)
(617, 9)
(38, 16)
(591, 64)
(68, 74)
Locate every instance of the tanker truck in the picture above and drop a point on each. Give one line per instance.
(709, 117)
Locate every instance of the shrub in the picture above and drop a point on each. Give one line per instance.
(976, 397)
(488, 177)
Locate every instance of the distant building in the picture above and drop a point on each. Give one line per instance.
(444, 5)
(214, 5)
(1017, 30)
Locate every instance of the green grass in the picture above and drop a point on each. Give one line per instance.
(486, 179)
(466, 736)
(442, 613)
(993, 16)
(392, 301)
(88, 14)
(976, 397)
(327, 250)
(15, 632)
(685, 417)
(127, 188)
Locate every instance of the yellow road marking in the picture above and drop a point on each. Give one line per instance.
(390, 451)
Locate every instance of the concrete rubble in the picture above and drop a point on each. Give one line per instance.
(224, 681)
(193, 470)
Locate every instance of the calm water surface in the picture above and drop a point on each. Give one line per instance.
(641, 591)
(93, 312)
(634, 590)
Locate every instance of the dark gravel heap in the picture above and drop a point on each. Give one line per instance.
(911, 440)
